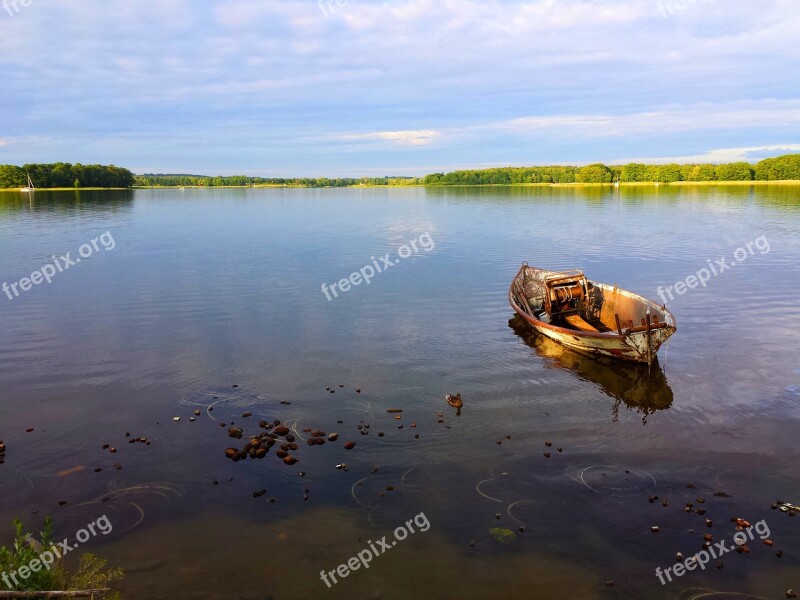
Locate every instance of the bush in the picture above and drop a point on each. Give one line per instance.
(91, 573)
(738, 171)
(634, 172)
(596, 173)
(669, 173)
(706, 172)
(779, 168)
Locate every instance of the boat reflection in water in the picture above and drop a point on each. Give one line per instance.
(641, 388)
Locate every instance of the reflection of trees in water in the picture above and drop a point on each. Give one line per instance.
(67, 202)
(641, 388)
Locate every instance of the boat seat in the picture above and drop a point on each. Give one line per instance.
(580, 324)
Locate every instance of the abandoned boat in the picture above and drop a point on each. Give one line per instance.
(588, 316)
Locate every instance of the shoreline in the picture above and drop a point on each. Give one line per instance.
(69, 189)
(478, 185)
(434, 185)
(622, 184)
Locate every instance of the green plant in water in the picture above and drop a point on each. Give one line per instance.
(503, 535)
(92, 575)
(24, 558)
(24, 551)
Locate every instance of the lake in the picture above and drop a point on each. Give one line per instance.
(185, 294)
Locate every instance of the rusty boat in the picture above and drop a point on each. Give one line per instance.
(590, 317)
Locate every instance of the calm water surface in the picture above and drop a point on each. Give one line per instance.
(209, 289)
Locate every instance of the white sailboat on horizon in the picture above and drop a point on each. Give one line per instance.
(30, 187)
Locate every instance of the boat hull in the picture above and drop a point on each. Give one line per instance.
(638, 344)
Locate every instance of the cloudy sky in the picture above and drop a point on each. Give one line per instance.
(361, 87)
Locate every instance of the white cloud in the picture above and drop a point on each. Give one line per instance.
(403, 138)
(682, 119)
(489, 80)
(723, 155)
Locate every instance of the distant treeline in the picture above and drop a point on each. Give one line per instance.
(61, 175)
(771, 169)
(163, 180)
(65, 175)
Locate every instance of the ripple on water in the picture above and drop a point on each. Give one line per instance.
(126, 507)
(706, 594)
(232, 398)
(614, 480)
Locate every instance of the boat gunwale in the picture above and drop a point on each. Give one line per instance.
(587, 334)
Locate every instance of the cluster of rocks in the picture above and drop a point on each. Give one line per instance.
(135, 439)
(707, 538)
(287, 441)
(276, 433)
(784, 507)
(132, 439)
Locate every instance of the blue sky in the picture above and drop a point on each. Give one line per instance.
(358, 87)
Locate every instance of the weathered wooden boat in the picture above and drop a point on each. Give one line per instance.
(588, 316)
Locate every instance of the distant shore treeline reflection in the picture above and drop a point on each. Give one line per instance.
(65, 175)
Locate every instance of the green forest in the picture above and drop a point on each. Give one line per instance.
(780, 168)
(162, 180)
(65, 175)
